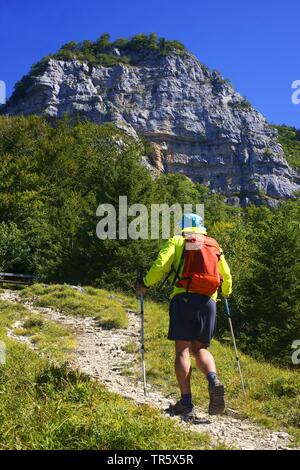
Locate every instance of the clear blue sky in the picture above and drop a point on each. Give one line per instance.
(254, 43)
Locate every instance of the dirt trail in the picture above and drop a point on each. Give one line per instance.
(100, 353)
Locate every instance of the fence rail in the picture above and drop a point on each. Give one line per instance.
(16, 279)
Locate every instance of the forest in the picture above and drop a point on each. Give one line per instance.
(53, 178)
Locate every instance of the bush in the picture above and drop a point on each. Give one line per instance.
(281, 387)
(289, 137)
(25, 82)
(244, 104)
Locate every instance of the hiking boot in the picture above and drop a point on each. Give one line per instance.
(185, 411)
(216, 398)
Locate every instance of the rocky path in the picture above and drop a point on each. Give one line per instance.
(101, 353)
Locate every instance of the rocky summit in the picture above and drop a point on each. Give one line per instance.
(197, 124)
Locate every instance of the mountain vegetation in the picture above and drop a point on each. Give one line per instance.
(104, 52)
(128, 51)
(289, 137)
(53, 178)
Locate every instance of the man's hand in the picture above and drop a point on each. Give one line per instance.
(140, 289)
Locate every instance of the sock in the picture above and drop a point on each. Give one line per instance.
(186, 399)
(212, 378)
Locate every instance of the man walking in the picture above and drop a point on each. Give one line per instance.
(197, 265)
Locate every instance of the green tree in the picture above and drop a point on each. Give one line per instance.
(103, 42)
(70, 46)
(14, 251)
(153, 40)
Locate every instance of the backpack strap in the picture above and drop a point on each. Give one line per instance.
(172, 270)
(167, 277)
(179, 265)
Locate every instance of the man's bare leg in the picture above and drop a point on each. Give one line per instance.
(204, 359)
(183, 368)
(206, 363)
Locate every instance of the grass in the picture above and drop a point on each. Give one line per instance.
(52, 339)
(48, 406)
(131, 347)
(55, 408)
(273, 393)
(107, 308)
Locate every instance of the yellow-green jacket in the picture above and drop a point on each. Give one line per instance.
(170, 256)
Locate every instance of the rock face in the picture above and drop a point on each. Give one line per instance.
(197, 123)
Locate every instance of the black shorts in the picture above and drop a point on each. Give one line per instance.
(192, 318)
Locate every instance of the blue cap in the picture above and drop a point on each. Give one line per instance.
(192, 221)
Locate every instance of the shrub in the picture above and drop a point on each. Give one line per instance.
(289, 138)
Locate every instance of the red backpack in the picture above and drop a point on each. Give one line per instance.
(200, 272)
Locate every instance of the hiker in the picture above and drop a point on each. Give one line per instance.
(196, 264)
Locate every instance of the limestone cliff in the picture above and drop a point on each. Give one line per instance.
(197, 123)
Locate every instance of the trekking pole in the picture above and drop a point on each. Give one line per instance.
(143, 344)
(234, 344)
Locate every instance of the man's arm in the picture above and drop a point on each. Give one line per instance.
(162, 265)
(226, 275)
